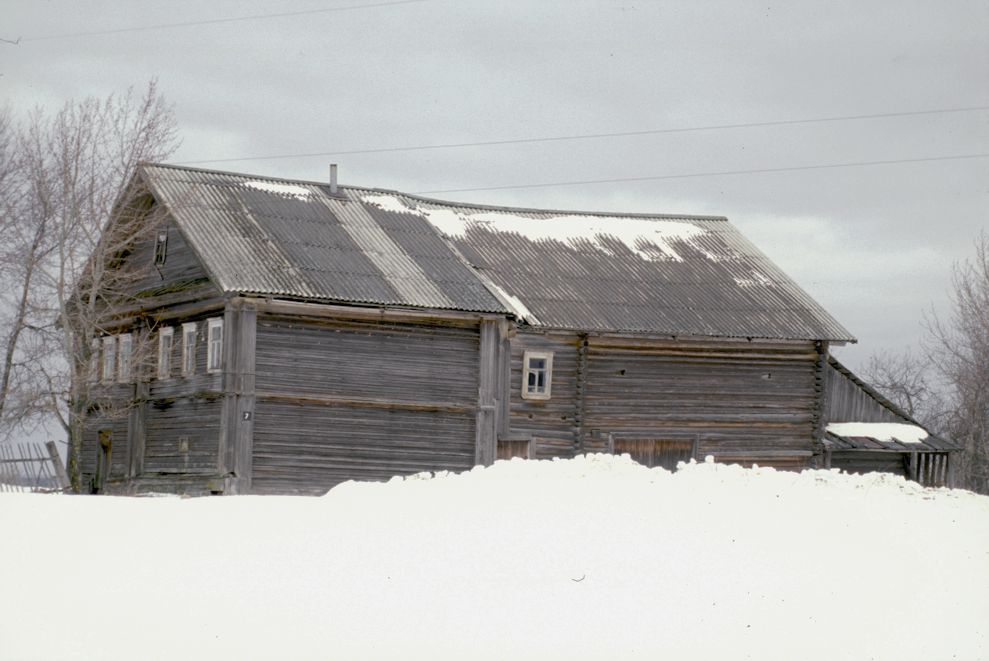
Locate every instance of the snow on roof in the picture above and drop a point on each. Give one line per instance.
(591, 558)
(880, 431)
(298, 192)
(651, 239)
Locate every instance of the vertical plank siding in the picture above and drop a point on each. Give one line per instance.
(849, 402)
(746, 402)
(361, 400)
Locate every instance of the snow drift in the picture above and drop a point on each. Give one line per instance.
(591, 558)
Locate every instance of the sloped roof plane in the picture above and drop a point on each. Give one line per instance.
(661, 274)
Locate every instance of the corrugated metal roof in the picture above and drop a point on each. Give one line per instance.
(676, 275)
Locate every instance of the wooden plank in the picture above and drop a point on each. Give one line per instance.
(393, 314)
(61, 475)
(365, 402)
(487, 405)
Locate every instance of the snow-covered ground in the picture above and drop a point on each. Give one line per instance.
(591, 558)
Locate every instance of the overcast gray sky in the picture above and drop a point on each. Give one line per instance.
(873, 244)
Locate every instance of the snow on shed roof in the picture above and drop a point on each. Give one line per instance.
(664, 274)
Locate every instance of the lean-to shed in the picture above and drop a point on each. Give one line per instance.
(866, 432)
(304, 334)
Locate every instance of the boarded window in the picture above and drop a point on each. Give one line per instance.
(537, 374)
(189, 349)
(214, 347)
(165, 353)
(650, 452)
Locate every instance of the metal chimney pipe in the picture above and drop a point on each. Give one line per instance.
(333, 178)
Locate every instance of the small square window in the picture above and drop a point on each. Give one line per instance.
(165, 353)
(537, 374)
(189, 349)
(214, 346)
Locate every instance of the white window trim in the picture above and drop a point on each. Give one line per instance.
(165, 358)
(125, 359)
(214, 356)
(188, 348)
(109, 368)
(526, 370)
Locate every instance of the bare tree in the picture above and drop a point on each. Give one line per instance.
(959, 350)
(909, 381)
(70, 172)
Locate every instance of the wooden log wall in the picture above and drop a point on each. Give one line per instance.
(740, 401)
(117, 423)
(339, 400)
(183, 412)
(552, 423)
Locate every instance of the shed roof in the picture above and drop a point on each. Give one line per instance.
(665, 274)
(853, 426)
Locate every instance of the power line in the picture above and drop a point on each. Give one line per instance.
(213, 21)
(589, 136)
(705, 174)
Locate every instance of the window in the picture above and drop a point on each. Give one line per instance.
(537, 374)
(94, 360)
(161, 244)
(188, 349)
(165, 352)
(109, 358)
(214, 345)
(124, 353)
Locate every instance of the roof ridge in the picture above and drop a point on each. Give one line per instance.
(448, 203)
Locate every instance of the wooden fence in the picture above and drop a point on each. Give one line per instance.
(28, 467)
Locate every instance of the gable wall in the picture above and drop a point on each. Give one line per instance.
(181, 278)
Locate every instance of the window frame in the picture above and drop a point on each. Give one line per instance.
(214, 345)
(125, 359)
(109, 368)
(161, 246)
(93, 375)
(189, 329)
(165, 357)
(527, 358)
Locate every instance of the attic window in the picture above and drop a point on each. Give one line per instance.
(161, 245)
(537, 374)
